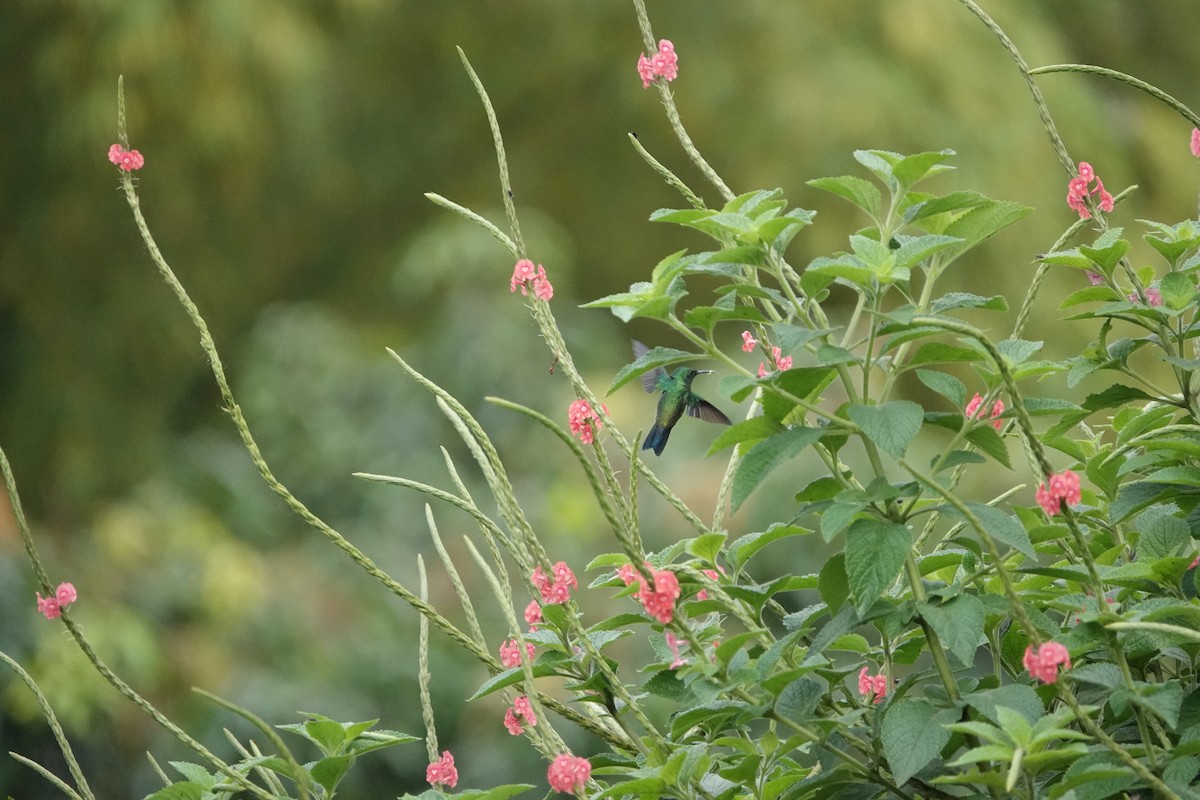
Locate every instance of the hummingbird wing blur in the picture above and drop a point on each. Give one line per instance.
(649, 379)
(702, 409)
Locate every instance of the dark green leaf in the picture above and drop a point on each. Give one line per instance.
(891, 426)
(766, 456)
(958, 623)
(799, 700)
(750, 430)
(946, 385)
(875, 552)
(913, 735)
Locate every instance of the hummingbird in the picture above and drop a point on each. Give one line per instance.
(677, 396)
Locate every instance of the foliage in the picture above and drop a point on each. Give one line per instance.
(965, 606)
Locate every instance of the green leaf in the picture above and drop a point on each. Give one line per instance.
(750, 430)
(799, 700)
(496, 792)
(1098, 673)
(766, 456)
(958, 623)
(1113, 396)
(832, 583)
(185, 790)
(942, 353)
(1018, 696)
(1162, 535)
(911, 170)
(916, 249)
(984, 221)
(875, 552)
(989, 441)
(1178, 290)
(1161, 699)
(1089, 294)
(999, 526)
(745, 547)
(891, 426)
(706, 546)
(858, 191)
(946, 385)
(913, 736)
(953, 300)
(329, 771)
(1107, 250)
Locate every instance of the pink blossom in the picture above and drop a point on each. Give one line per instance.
(748, 342)
(663, 64)
(542, 289)
(556, 589)
(533, 613)
(673, 643)
(1043, 663)
(660, 602)
(442, 772)
(583, 420)
(524, 709)
(872, 685)
(973, 409)
(65, 594)
(1196, 142)
(703, 593)
(628, 574)
(52, 607)
(48, 606)
(645, 70)
(1078, 190)
(1154, 297)
(762, 370)
(1195, 563)
(568, 773)
(1095, 278)
(510, 653)
(523, 272)
(782, 362)
(127, 160)
(511, 723)
(1060, 486)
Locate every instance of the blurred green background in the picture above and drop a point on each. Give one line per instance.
(288, 146)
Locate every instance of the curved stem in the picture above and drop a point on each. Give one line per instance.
(1129, 80)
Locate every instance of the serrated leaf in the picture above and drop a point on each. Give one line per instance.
(998, 525)
(861, 193)
(1098, 673)
(329, 771)
(184, 790)
(989, 441)
(913, 735)
(799, 700)
(958, 623)
(875, 552)
(766, 456)
(953, 300)
(946, 385)
(750, 430)
(891, 426)
(745, 547)
(1018, 696)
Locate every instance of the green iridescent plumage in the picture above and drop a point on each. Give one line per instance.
(677, 397)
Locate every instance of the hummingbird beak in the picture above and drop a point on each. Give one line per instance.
(706, 372)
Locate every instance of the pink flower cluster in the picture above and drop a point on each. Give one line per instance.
(673, 642)
(659, 601)
(1078, 191)
(780, 361)
(442, 772)
(52, 607)
(533, 614)
(510, 653)
(975, 407)
(525, 277)
(568, 773)
(711, 573)
(1196, 142)
(872, 685)
(1061, 486)
(583, 420)
(1043, 662)
(555, 588)
(128, 160)
(663, 64)
(1154, 297)
(520, 709)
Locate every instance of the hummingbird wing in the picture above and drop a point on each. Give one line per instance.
(649, 379)
(702, 409)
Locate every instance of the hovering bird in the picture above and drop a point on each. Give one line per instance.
(677, 395)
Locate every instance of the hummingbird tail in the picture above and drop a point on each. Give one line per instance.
(656, 439)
